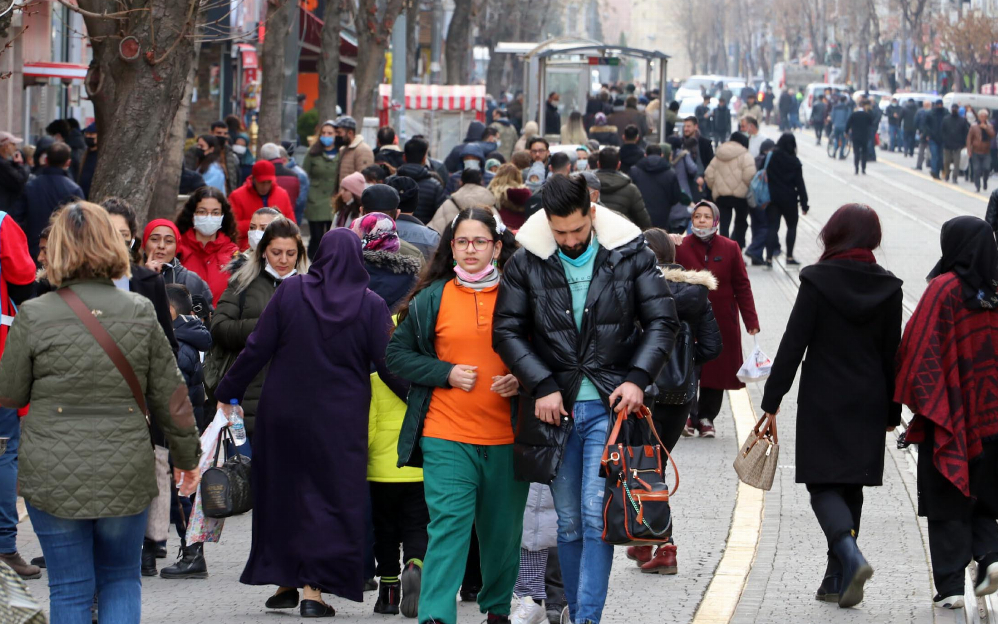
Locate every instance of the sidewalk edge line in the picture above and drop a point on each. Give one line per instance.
(725, 589)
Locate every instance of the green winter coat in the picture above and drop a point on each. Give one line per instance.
(324, 182)
(85, 450)
(234, 320)
(412, 356)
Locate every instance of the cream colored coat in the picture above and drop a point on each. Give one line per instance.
(731, 171)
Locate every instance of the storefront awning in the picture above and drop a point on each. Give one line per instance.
(65, 71)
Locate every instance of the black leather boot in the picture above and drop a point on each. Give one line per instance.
(831, 584)
(148, 558)
(389, 598)
(855, 571)
(191, 564)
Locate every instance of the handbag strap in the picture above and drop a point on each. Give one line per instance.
(107, 343)
(226, 431)
(770, 429)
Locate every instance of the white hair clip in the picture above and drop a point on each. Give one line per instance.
(453, 224)
(500, 226)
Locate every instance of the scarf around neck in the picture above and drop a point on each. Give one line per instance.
(489, 280)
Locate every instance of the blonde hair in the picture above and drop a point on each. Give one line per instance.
(255, 263)
(506, 178)
(83, 244)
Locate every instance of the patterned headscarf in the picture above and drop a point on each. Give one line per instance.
(377, 232)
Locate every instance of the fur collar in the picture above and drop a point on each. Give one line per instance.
(612, 230)
(677, 274)
(395, 262)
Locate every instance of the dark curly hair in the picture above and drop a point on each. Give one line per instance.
(185, 219)
(441, 266)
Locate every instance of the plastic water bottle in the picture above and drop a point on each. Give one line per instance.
(237, 425)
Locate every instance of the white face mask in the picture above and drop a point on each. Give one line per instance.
(272, 271)
(239, 149)
(582, 165)
(472, 165)
(254, 236)
(498, 142)
(207, 225)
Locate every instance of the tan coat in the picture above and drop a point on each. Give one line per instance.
(355, 157)
(468, 196)
(731, 171)
(979, 138)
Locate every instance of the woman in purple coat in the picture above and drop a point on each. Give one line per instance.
(321, 333)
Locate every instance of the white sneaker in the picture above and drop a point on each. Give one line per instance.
(528, 612)
(948, 602)
(987, 580)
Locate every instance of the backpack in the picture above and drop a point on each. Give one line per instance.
(677, 383)
(759, 186)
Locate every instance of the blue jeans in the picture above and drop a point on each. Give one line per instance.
(839, 139)
(794, 120)
(895, 138)
(10, 427)
(936, 148)
(578, 498)
(86, 555)
(760, 225)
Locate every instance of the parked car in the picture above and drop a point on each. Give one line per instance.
(811, 92)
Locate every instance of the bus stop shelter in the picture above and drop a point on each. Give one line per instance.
(567, 63)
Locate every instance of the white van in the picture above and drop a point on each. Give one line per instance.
(811, 92)
(975, 100)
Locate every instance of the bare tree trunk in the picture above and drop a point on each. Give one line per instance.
(458, 40)
(164, 201)
(136, 101)
(272, 66)
(411, 41)
(374, 29)
(329, 61)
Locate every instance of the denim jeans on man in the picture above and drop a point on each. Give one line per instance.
(896, 143)
(760, 225)
(10, 427)
(84, 556)
(936, 149)
(578, 499)
(839, 139)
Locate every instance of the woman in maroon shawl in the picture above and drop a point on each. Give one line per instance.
(948, 376)
(321, 333)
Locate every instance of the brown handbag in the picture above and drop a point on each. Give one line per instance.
(756, 461)
(107, 343)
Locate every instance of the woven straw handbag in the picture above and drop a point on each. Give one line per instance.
(757, 459)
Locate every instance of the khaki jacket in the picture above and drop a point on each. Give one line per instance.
(730, 172)
(355, 157)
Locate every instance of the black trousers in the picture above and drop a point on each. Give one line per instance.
(838, 508)
(400, 517)
(952, 544)
(473, 568)
(316, 229)
(860, 155)
(669, 421)
(709, 404)
(739, 206)
(773, 214)
(553, 583)
(817, 131)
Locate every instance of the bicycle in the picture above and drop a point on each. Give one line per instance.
(832, 147)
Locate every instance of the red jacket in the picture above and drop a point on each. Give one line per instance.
(16, 267)
(733, 296)
(245, 201)
(208, 261)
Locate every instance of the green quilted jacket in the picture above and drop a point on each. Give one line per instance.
(85, 450)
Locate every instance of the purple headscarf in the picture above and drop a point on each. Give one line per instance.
(336, 281)
(377, 232)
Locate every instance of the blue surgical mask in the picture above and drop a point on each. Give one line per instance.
(326, 141)
(583, 258)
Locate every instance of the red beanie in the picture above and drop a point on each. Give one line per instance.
(155, 223)
(263, 171)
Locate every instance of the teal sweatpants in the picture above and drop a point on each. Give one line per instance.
(467, 484)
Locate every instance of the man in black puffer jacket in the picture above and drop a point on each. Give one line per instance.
(583, 320)
(431, 190)
(659, 186)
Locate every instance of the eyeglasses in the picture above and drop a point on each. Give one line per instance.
(539, 150)
(481, 244)
(201, 212)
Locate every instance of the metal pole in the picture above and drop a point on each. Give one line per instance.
(662, 105)
(541, 94)
(436, 35)
(398, 74)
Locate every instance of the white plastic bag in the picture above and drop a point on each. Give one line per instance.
(201, 528)
(756, 367)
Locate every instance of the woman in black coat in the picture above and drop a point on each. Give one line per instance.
(689, 290)
(848, 318)
(786, 189)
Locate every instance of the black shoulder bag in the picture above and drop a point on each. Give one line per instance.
(225, 489)
(677, 383)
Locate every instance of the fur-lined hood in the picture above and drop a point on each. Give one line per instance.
(394, 262)
(679, 275)
(612, 231)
